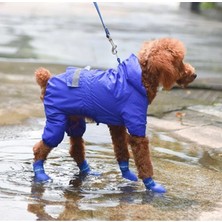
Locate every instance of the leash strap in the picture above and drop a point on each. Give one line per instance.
(100, 16)
(108, 36)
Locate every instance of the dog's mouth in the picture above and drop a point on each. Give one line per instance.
(186, 80)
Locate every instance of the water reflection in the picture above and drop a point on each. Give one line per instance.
(80, 204)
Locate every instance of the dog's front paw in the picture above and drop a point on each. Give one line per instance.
(129, 175)
(40, 175)
(85, 170)
(42, 178)
(151, 185)
(126, 172)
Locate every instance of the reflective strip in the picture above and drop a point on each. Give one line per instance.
(76, 75)
(84, 169)
(149, 183)
(124, 167)
(75, 81)
(40, 169)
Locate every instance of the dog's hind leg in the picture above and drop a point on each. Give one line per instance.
(120, 145)
(76, 127)
(77, 152)
(141, 153)
(41, 151)
(77, 149)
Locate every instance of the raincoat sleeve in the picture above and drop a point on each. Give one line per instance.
(134, 114)
(137, 128)
(55, 127)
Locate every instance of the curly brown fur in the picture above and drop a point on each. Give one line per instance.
(162, 64)
(120, 142)
(41, 151)
(42, 76)
(77, 149)
(141, 153)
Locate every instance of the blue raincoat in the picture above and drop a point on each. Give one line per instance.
(114, 96)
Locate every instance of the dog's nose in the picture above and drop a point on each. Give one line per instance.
(195, 76)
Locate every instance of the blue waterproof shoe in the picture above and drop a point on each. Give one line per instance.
(153, 186)
(85, 169)
(126, 173)
(40, 175)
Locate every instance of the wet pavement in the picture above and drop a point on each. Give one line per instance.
(54, 32)
(188, 171)
(184, 126)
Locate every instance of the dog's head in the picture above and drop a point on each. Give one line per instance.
(162, 61)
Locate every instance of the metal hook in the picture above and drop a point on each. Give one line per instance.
(114, 47)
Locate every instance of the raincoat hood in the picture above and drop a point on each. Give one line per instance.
(133, 72)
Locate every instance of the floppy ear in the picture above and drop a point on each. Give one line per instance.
(162, 64)
(166, 56)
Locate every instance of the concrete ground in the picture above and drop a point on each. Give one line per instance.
(194, 115)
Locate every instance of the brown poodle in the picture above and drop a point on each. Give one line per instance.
(117, 97)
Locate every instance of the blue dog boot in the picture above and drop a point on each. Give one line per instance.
(153, 186)
(126, 173)
(84, 168)
(40, 175)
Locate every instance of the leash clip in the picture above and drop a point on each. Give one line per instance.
(114, 47)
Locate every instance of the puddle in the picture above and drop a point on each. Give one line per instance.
(183, 168)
